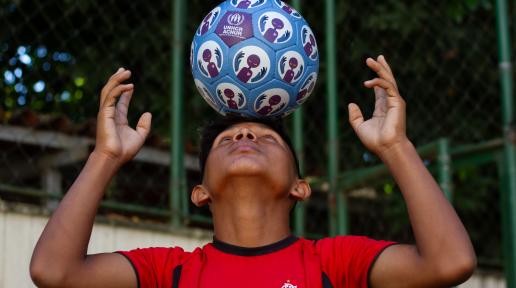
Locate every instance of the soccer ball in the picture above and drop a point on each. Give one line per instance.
(255, 58)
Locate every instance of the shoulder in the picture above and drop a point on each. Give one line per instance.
(348, 241)
(156, 256)
(154, 264)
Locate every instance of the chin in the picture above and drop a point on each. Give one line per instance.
(246, 166)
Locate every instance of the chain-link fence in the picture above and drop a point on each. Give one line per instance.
(56, 55)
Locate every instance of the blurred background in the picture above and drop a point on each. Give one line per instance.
(451, 59)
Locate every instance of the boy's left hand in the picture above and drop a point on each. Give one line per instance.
(386, 128)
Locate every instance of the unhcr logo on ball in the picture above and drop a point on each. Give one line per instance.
(236, 19)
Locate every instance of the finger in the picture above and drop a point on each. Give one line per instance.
(380, 70)
(355, 116)
(383, 61)
(113, 82)
(382, 83)
(144, 125)
(104, 92)
(115, 93)
(122, 106)
(393, 97)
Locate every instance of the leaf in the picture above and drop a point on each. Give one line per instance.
(202, 68)
(241, 99)
(279, 108)
(260, 75)
(238, 59)
(259, 101)
(263, 20)
(218, 56)
(282, 64)
(284, 37)
(260, 2)
(301, 68)
(219, 93)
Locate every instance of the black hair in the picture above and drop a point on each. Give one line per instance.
(213, 128)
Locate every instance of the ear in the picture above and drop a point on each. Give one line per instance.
(301, 190)
(200, 196)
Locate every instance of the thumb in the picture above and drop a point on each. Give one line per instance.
(355, 116)
(144, 125)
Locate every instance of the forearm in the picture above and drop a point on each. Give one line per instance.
(64, 241)
(441, 238)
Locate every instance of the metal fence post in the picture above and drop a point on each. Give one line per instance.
(176, 93)
(299, 213)
(508, 165)
(337, 202)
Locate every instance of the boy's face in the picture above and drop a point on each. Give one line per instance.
(249, 149)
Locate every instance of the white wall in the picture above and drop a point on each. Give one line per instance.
(19, 232)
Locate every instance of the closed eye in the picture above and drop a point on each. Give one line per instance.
(269, 138)
(225, 139)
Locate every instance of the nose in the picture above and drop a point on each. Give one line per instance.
(244, 133)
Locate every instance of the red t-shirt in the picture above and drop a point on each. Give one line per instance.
(338, 262)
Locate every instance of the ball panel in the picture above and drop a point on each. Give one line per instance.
(287, 9)
(231, 96)
(271, 99)
(210, 20)
(252, 63)
(210, 58)
(234, 27)
(207, 95)
(274, 29)
(307, 42)
(306, 86)
(290, 66)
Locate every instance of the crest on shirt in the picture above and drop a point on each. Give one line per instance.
(288, 285)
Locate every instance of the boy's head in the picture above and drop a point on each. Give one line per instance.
(212, 129)
(241, 154)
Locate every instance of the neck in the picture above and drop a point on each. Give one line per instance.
(248, 215)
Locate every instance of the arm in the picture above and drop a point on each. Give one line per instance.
(60, 257)
(443, 254)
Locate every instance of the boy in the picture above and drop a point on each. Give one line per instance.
(251, 181)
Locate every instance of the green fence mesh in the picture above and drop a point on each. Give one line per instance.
(56, 55)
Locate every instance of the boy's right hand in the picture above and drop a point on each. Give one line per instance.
(115, 138)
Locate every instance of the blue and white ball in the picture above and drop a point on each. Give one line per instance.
(256, 58)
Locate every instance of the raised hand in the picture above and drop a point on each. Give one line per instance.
(386, 128)
(114, 136)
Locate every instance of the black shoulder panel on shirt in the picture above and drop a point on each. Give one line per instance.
(326, 281)
(176, 275)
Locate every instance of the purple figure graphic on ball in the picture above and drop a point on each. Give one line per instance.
(292, 63)
(230, 94)
(246, 73)
(272, 32)
(307, 88)
(206, 24)
(302, 94)
(287, 9)
(244, 4)
(212, 68)
(265, 110)
(309, 46)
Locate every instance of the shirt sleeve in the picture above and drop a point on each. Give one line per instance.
(347, 260)
(154, 266)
